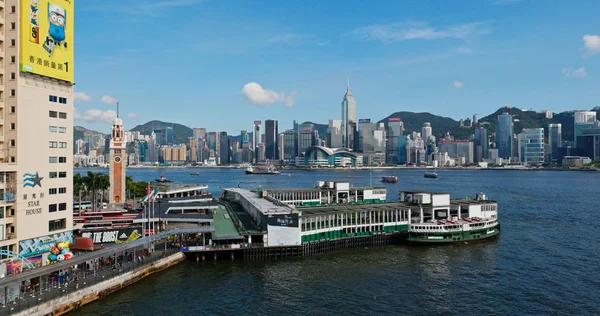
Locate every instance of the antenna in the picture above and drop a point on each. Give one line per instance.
(117, 108)
(348, 81)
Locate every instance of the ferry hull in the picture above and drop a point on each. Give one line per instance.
(454, 238)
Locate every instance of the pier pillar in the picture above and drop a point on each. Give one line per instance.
(197, 258)
(232, 256)
(215, 257)
(203, 258)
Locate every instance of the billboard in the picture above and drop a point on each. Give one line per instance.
(47, 38)
(394, 119)
(116, 236)
(34, 246)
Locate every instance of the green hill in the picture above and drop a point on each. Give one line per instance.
(181, 133)
(440, 125)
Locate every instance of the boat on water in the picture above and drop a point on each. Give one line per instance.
(442, 220)
(389, 179)
(262, 170)
(194, 174)
(163, 179)
(431, 174)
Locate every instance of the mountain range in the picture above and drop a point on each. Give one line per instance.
(412, 122)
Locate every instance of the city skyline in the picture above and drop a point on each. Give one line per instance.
(399, 56)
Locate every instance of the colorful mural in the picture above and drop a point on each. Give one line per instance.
(39, 245)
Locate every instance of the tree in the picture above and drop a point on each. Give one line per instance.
(91, 183)
(78, 186)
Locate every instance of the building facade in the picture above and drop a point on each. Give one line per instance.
(225, 149)
(271, 132)
(554, 140)
(504, 135)
(583, 120)
(531, 146)
(426, 132)
(335, 138)
(289, 145)
(348, 119)
(481, 144)
(395, 129)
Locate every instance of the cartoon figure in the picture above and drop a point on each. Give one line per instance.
(60, 257)
(57, 18)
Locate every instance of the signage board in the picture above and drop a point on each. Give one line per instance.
(394, 119)
(113, 236)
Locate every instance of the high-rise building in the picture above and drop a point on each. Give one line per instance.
(348, 119)
(281, 147)
(461, 150)
(224, 153)
(193, 147)
(290, 144)
(271, 132)
(481, 144)
(244, 136)
(531, 146)
(504, 135)
(199, 132)
(305, 138)
(173, 154)
(395, 129)
(475, 119)
(554, 139)
(169, 135)
(426, 131)
(213, 138)
(256, 138)
(260, 152)
(334, 134)
(583, 120)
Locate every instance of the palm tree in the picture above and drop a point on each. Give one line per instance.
(78, 186)
(103, 184)
(92, 182)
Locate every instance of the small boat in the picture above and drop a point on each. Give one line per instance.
(389, 179)
(194, 174)
(431, 175)
(163, 179)
(262, 170)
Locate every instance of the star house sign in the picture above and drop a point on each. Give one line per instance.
(32, 180)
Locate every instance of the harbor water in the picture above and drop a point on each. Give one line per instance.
(545, 261)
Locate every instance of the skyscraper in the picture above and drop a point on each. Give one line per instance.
(554, 139)
(348, 119)
(583, 120)
(244, 137)
(504, 135)
(290, 144)
(334, 134)
(394, 131)
(481, 145)
(426, 131)
(531, 146)
(281, 147)
(169, 135)
(271, 132)
(256, 138)
(199, 133)
(224, 150)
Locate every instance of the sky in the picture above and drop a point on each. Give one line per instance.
(221, 64)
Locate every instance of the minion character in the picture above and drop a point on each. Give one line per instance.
(57, 18)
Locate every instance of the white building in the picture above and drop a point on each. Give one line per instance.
(531, 146)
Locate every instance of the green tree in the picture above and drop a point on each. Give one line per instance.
(79, 186)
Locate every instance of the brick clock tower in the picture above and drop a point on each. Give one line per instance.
(117, 162)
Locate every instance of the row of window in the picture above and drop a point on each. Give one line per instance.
(53, 159)
(57, 224)
(54, 191)
(61, 100)
(57, 129)
(53, 144)
(54, 175)
(57, 207)
(55, 114)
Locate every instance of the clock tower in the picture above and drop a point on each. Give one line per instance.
(117, 161)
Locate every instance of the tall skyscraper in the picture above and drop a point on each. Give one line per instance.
(481, 144)
(281, 147)
(348, 118)
(335, 138)
(554, 139)
(583, 120)
(395, 130)
(224, 149)
(256, 138)
(169, 135)
(290, 144)
(305, 137)
(504, 135)
(475, 119)
(531, 146)
(271, 132)
(244, 136)
(212, 141)
(199, 133)
(426, 131)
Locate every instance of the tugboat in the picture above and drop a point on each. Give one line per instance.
(163, 179)
(262, 170)
(431, 174)
(389, 179)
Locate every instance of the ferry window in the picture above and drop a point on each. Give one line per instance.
(52, 208)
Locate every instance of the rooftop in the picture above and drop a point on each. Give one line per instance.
(265, 206)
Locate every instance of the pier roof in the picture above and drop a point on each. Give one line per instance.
(389, 206)
(224, 227)
(266, 206)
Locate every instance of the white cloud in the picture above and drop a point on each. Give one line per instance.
(133, 116)
(574, 73)
(394, 32)
(257, 95)
(81, 97)
(592, 44)
(96, 116)
(457, 84)
(108, 100)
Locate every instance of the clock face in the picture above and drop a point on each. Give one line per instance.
(117, 159)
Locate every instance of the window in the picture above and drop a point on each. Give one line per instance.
(62, 190)
(13, 42)
(62, 206)
(52, 159)
(62, 159)
(52, 175)
(52, 191)
(62, 100)
(13, 76)
(12, 126)
(62, 145)
(62, 130)
(62, 174)
(53, 114)
(12, 159)
(62, 115)
(13, 59)
(52, 129)
(52, 208)
(13, 25)
(12, 143)
(52, 144)
(13, 92)
(57, 224)
(13, 9)
(53, 98)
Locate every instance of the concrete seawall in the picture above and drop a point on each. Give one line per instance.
(73, 301)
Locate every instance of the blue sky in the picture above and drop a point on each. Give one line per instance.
(223, 64)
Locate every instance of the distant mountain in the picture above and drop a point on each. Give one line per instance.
(181, 133)
(439, 125)
(79, 132)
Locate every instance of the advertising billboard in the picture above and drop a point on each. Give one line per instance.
(394, 119)
(116, 236)
(47, 38)
(34, 246)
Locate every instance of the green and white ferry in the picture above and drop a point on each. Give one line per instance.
(437, 219)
